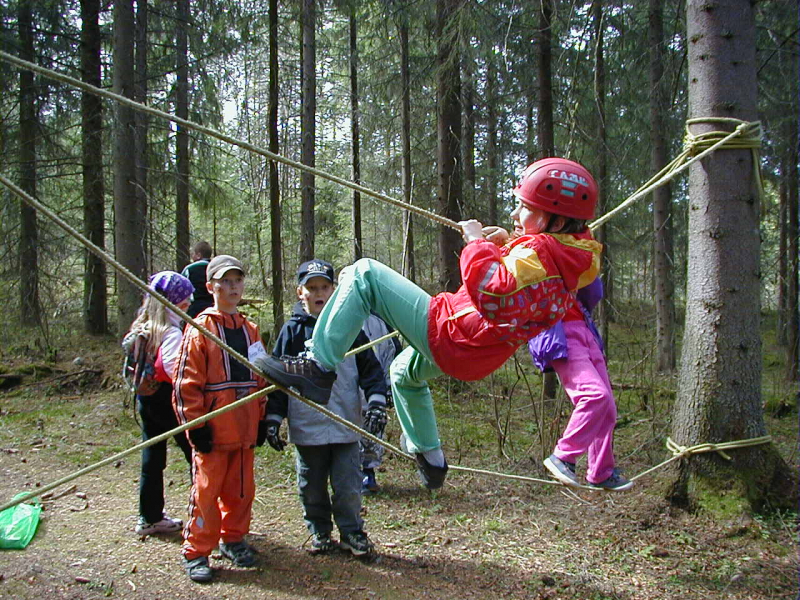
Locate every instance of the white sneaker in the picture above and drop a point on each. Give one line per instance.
(165, 525)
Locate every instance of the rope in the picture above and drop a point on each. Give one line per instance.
(10, 58)
(746, 135)
(28, 199)
(679, 451)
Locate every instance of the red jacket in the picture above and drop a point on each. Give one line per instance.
(203, 383)
(509, 294)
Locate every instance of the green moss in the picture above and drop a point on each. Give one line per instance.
(724, 500)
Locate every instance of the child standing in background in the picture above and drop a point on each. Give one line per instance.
(207, 378)
(161, 328)
(327, 451)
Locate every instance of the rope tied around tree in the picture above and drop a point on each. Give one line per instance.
(678, 451)
(745, 136)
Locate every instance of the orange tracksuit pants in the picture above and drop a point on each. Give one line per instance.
(221, 500)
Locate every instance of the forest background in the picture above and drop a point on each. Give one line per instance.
(438, 104)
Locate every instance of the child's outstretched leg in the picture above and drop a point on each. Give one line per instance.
(367, 285)
(410, 373)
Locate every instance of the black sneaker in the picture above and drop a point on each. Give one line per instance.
(300, 372)
(562, 470)
(198, 569)
(432, 476)
(321, 543)
(369, 485)
(617, 482)
(358, 543)
(239, 552)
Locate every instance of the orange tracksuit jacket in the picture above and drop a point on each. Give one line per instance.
(222, 480)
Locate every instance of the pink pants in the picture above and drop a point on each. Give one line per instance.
(584, 376)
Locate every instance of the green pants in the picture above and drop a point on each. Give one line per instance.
(367, 286)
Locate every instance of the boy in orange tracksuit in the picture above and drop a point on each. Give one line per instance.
(206, 379)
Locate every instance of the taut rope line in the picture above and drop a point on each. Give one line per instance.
(28, 199)
(10, 58)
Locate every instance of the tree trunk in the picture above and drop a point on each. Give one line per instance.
(793, 266)
(182, 136)
(544, 125)
(129, 223)
(448, 95)
(274, 183)
(492, 151)
(409, 267)
(719, 395)
(308, 127)
(544, 128)
(95, 301)
(142, 126)
(356, 149)
(662, 199)
(30, 310)
(468, 129)
(602, 312)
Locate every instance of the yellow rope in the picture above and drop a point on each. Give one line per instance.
(679, 451)
(746, 135)
(10, 58)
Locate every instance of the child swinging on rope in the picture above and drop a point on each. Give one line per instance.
(512, 290)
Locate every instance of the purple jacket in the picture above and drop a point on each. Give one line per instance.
(551, 345)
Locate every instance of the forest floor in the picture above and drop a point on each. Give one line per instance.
(478, 537)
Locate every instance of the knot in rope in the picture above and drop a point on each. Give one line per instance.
(679, 451)
(746, 136)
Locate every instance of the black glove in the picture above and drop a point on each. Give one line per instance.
(271, 433)
(375, 418)
(201, 438)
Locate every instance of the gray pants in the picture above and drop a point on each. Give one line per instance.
(339, 463)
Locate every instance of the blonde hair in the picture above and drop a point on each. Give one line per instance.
(153, 321)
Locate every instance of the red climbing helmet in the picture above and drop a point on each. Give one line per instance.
(558, 186)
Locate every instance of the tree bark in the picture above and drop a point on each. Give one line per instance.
(95, 301)
(448, 95)
(719, 395)
(142, 125)
(409, 266)
(182, 136)
(603, 314)
(468, 130)
(354, 134)
(544, 125)
(308, 127)
(662, 199)
(129, 216)
(30, 309)
(274, 182)
(492, 151)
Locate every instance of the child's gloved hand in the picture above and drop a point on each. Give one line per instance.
(269, 431)
(201, 438)
(375, 417)
(471, 229)
(497, 235)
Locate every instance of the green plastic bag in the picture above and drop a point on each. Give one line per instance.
(18, 524)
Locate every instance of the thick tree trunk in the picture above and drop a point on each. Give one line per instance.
(468, 130)
(30, 310)
(182, 136)
(409, 266)
(274, 182)
(662, 200)
(308, 127)
(95, 301)
(129, 223)
(354, 135)
(793, 266)
(448, 95)
(719, 396)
